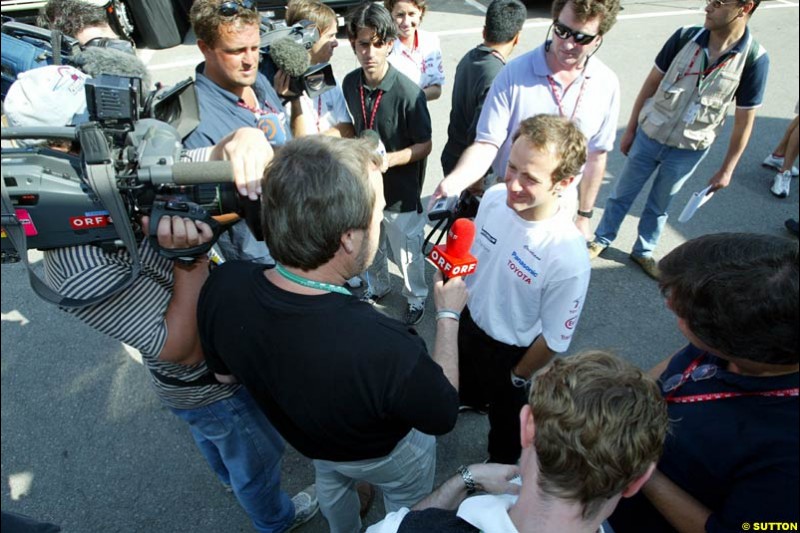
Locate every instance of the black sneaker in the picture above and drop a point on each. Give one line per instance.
(414, 314)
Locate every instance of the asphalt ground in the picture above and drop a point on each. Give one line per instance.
(86, 443)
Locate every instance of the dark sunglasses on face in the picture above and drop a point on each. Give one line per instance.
(565, 32)
(229, 9)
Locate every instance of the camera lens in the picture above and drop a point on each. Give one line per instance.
(315, 82)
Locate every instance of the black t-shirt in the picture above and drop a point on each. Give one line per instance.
(339, 380)
(740, 457)
(474, 76)
(401, 119)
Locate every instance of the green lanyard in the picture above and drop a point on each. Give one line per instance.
(305, 282)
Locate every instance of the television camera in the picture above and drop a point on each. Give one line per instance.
(126, 167)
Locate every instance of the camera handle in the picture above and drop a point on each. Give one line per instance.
(188, 210)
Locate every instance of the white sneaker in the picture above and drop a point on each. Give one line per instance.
(773, 161)
(780, 185)
(354, 282)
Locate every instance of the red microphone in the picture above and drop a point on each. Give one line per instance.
(454, 259)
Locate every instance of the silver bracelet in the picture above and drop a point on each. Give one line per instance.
(469, 481)
(448, 313)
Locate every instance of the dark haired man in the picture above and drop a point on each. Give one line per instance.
(676, 117)
(364, 407)
(475, 73)
(76, 18)
(536, 258)
(733, 455)
(566, 485)
(560, 77)
(380, 98)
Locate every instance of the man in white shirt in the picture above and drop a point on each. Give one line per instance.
(591, 434)
(533, 272)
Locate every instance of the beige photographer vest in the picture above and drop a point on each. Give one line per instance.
(691, 102)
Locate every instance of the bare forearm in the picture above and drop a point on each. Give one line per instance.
(593, 173)
(432, 92)
(537, 355)
(445, 352)
(300, 123)
(679, 508)
(183, 343)
(415, 152)
(448, 496)
(344, 130)
(740, 136)
(472, 165)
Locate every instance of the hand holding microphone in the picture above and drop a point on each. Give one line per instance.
(453, 259)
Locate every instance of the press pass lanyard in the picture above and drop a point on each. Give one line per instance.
(369, 124)
(310, 283)
(557, 96)
(701, 73)
(695, 398)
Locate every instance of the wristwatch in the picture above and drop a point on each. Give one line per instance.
(586, 214)
(469, 482)
(519, 382)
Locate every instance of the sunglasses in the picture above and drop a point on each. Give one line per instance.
(229, 9)
(698, 374)
(716, 4)
(565, 32)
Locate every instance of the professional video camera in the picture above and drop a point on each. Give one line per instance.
(286, 48)
(127, 167)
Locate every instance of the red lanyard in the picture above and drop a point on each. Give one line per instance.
(375, 106)
(671, 398)
(700, 73)
(499, 56)
(319, 111)
(414, 48)
(557, 96)
(241, 103)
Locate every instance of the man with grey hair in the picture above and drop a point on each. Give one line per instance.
(364, 406)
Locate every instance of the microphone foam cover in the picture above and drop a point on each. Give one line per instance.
(289, 56)
(460, 237)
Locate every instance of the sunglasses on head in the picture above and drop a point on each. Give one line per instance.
(229, 9)
(716, 4)
(565, 32)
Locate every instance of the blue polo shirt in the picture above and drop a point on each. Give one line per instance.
(753, 82)
(222, 112)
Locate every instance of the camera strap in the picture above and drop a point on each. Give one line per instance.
(102, 179)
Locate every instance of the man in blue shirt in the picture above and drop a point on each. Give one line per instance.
(232, 93)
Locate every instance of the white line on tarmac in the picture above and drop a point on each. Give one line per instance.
(477, 5)
(781, 4)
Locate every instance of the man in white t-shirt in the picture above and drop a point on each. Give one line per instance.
(533, 273)
(327, 112)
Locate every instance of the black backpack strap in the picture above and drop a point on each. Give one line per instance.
(55, 44)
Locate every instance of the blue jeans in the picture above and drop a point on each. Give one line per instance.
(673, 166)
(244, 450)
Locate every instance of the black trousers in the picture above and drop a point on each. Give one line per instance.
(484, 366)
